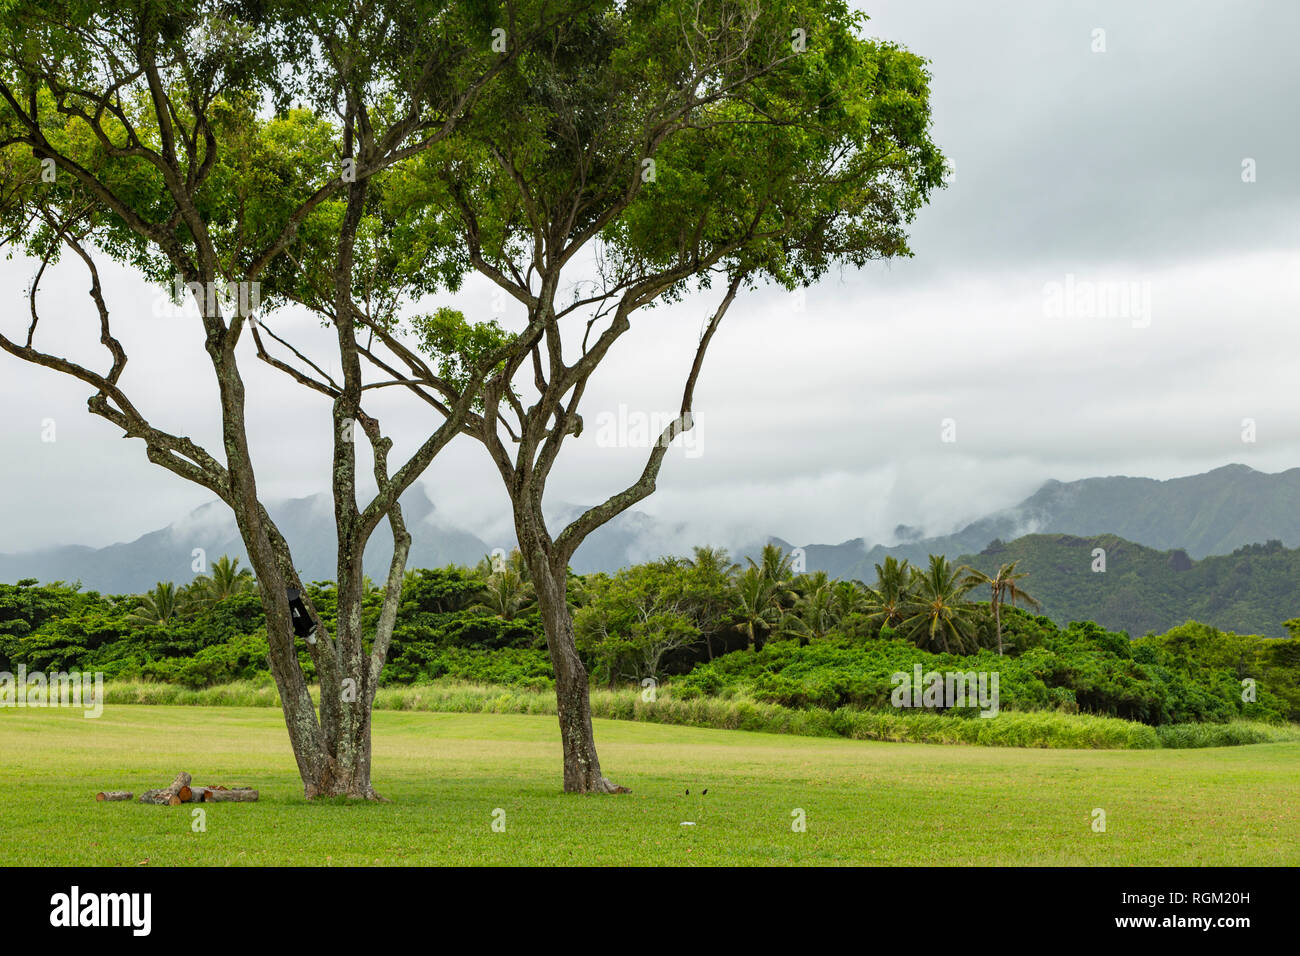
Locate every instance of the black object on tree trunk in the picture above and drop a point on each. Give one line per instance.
(303, 625)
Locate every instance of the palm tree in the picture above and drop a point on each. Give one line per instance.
(486, 567)
(938, 614)
(806, 584)
(505, 594)
(491, 564)
(516, 563)
(158, 606)
(773, 563)
(714, 562)
(849, 597)
(1002, 587)
(758, 604)
(887, 601)
(817, 611)
(226, 580)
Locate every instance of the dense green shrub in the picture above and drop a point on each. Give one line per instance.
(1082, 669)
(240, 658)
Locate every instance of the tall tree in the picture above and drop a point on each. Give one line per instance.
(158, 606)
(711, 145)
(161, 134)
(887, 601)
(505, 593)
(758, 606)
(709, 577)
(1004, 585)
(849, 597)
(225, 580)
(635, 618)
(937, 614)
(773, 563)
(817, 607)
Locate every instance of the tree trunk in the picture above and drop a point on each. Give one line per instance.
(572, 692)
(353, 750)
(333, 749)
(306, 736)
(997, 620)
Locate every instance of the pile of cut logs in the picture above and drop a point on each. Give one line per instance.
(181, 791)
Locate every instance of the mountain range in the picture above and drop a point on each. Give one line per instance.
(1212, 513)
(1052, 532)
(168, 554)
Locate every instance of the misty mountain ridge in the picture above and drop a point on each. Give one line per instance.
(1212, 513)
(307, 524)
(168, 554)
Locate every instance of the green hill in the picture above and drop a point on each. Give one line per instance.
(1252, 590)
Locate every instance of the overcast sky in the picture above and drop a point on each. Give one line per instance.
(824, 419)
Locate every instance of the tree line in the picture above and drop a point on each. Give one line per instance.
(701, 625)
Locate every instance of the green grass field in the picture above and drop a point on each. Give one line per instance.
(865, 802)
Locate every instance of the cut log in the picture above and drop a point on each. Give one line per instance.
(114, 795)
(182, 790)
(162, 798)
(170, 797)
(222, 795)
(173, 793)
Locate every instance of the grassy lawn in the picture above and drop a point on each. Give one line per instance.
(865, 802)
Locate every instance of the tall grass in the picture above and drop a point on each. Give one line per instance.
(1008, 729)
(234, 694)
(1225, 735)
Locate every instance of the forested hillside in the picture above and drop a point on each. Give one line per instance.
(1253, 590)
